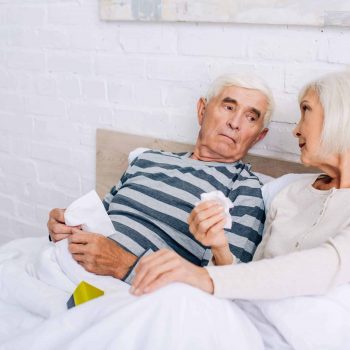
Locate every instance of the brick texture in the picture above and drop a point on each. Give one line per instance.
(64, 73)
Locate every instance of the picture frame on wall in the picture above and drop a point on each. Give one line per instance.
(290, 12)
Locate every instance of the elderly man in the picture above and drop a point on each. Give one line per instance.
(154, 204)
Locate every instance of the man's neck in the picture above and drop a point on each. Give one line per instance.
(211, 158)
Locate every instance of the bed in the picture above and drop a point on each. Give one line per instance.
(113, 149)
(34, 292)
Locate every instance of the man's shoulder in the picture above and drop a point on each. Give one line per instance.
(153, 154)
(246, 174)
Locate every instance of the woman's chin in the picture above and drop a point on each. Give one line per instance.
(305, 160)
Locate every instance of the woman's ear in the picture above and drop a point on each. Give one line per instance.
(201, 105)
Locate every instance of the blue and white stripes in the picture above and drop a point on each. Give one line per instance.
(150, 205)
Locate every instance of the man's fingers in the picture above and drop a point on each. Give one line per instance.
(202, 213)
(79, 236)
(79, 258)
(219, 226)
(57, 228)
(58, 215)
(59, 236)
(200, 231)
(77, 248)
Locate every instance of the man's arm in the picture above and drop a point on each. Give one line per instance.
(100, 255)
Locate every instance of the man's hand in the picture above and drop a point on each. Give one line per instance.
(100, 255)
(58, 230)
(206, 223)
(165, 266)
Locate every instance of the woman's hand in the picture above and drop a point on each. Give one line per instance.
(165, 266)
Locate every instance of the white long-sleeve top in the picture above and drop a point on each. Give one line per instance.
(305, 248)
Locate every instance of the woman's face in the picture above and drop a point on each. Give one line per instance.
(309, 129)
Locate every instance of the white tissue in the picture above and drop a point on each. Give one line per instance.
(219, 197)
(89, 212)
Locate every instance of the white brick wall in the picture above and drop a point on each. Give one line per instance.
(64, 73)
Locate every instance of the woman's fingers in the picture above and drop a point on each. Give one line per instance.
(147, 262)
(152, 275)
(161, 281)
(152, 266)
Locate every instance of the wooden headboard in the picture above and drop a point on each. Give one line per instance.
(113, 148)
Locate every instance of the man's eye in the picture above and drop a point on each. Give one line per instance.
(229, 108)
(252, 117)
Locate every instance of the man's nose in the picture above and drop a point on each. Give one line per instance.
(234, 122)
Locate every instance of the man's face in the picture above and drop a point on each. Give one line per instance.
(231, 123)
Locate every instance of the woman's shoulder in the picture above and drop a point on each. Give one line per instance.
(274, 187)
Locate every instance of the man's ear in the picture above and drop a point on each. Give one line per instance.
(261, 136)
(201, 105)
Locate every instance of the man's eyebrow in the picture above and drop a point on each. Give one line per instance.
(229, 100)
(256, 111)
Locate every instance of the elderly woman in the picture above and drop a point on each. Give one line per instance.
(306, 244)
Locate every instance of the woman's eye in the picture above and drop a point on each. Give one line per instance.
(305, 108)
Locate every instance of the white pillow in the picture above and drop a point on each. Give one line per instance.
(136, 152)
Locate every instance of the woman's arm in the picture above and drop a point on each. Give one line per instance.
(308, 272)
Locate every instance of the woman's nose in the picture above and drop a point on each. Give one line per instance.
(296, 131)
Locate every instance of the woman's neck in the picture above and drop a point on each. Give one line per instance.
(337, 171)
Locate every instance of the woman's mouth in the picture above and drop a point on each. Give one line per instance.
(301, 145)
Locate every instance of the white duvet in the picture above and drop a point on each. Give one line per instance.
(33, 314)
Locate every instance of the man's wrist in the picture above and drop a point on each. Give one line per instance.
(222, 255)
(124, 263)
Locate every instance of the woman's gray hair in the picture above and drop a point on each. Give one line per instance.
(333, 91)
(247, 81)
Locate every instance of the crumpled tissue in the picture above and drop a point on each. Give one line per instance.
(219, 197)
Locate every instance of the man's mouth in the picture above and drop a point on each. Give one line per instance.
(229, 137)
(301, 145)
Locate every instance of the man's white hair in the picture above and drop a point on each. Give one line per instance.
(247, 81)
(333, 91)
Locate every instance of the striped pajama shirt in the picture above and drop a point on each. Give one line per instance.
(150, 205)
